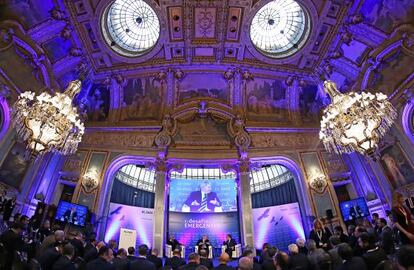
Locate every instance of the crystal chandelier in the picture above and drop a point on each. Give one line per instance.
(355, 121)
(49, 123)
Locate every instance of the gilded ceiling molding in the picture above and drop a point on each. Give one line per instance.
(401, 38)
(13, 34)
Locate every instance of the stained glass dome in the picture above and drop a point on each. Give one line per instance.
(279, 28)
(132, 27)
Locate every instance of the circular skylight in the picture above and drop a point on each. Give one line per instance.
(279, 28)
(133, 26)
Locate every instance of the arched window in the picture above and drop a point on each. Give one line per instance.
(137, 176)
(268, 177)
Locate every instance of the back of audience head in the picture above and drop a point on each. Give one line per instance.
(245, 263)
(177, 252)
(112, 244)
(224, 258)
(282, 260)
(366, 240)
(300, 242)
(323, 261)
(59, 235)
(382, 222)
(68, 251)
(143, 250)
(272, 252)
(405, 257)
(338, 230)
(194, 258)
(248, 253)
(17, 227)
(131, 251)
(154, 252)
(266, 246)
(345, 251)
(334, 240)
(311, 245)
(293, 249)
(121, 253)
(106, 253)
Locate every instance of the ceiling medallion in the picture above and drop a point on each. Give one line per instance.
(355, 122)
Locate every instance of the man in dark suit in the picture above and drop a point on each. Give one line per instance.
(153, 257)
(249, 253)
(173, 242)
(204, 260)
(193, 262)
(202, 201)
(77, 243)
(131, 254)
(268, 264)
(65, 261)
(223, 260)
(203, 244)
(120, 261)
(373, 255)
(351, 262)
(51, 255)
(103, 262)
(336, 260)
(12, 242)
(340, 232)
(142, 263)
(230, 244)
(175, 261)
(386, 236)
(297, 260)
(93, 253)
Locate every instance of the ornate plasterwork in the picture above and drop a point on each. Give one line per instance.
(284, 140)
(122, 140)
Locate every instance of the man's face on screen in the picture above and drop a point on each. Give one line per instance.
(206, 188)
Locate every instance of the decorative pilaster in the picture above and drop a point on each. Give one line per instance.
(245, 205)
(160, 205)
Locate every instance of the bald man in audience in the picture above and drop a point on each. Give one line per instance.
(245, 263)
(223, 260)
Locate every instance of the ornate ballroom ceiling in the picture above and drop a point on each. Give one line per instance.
(205, 59)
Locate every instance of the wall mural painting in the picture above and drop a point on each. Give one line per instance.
(28, 12)
(266, 100)
(98, 102)
(14, 166)
(397, 167)
(387, 14)
(142, 99)
(392, 72)
(201, 86)
(310, 103)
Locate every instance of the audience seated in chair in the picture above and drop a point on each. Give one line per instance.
(153, 257)
(204, 260)
(193, 262)
(223, 260)
(297, 260)
(175, 261)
